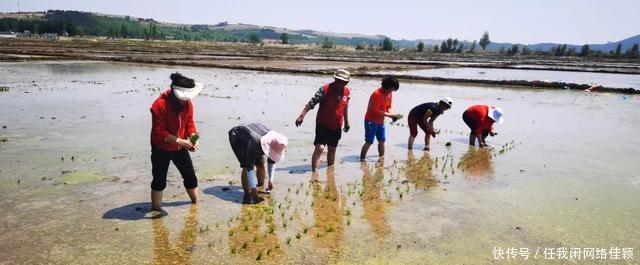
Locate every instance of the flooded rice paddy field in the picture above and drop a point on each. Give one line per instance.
(604, 79)
(75, 174)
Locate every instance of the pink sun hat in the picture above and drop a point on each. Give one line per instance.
(273, 145)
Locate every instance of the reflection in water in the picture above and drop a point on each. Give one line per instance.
(179, 253)
(255, 235)
(374, 206)
(419, 172)
(476, 162)
(328, 208)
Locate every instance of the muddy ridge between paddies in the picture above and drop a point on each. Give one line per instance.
(307, 59)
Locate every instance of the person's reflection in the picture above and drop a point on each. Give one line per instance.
(419, 172)
(372, 202)
(255, 234)
(328, 209)
(476, 162)
(179, 253)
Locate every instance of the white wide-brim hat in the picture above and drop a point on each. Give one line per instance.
(342, 74)
(496, 115)
(273, 145)
(448, 101)
(184, 94)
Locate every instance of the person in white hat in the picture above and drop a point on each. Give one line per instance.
(255, 144)
(424, 115)
(480, 119)
(332, 114)
(171, 130)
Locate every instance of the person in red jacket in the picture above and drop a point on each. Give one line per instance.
(379, 107)
(172, 128)
(480, 119)
(334, 108)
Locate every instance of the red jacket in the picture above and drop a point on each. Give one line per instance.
(380, 100)
(331, 111)
(479, 114)
(165, 122)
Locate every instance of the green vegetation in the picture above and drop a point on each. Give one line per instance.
(451, 45)
(484, 40)
(284, 37)
(327, 44)
(387, 44)
(84, 24)
(420, 47)
(77, 177)
(253, 38)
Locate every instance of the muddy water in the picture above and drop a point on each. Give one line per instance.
(604, 79)
(75, 174)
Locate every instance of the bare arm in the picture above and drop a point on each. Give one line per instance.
(175, 140)
(427, 122)
(345, 113)
(307, 108)
(317, 97)
(379, 111)
(300, 118)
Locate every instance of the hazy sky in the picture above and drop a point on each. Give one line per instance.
(533, 21)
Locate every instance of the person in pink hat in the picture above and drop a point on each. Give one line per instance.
(255, 144)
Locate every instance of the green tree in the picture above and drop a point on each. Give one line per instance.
(124, 33)
(443, 47)
(420, 47)
(618, 50)
(473, 46)
(153, 31)
(585, 50)
(526, 50)
(328, 44)
(513, 50)
(561, 50)
(284, 37)
(387, 44)
(450, 45)
(484, 41)
(436, 48)
(634, 52)
(253, 37)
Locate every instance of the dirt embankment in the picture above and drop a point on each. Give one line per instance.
(303, 59)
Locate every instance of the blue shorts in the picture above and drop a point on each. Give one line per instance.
(373, 129)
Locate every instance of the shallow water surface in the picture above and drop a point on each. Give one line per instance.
(604, 79)
(75, 174)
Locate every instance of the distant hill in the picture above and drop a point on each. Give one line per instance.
(611, 46)
(94, 24)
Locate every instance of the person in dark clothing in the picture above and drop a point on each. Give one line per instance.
(172, 126)
(255, 144)
(424, 115)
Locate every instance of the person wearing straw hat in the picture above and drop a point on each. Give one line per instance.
(480, 119)
(332, 113)
(379, 108)
(171, 131)
(424, 115)
(255, 144)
